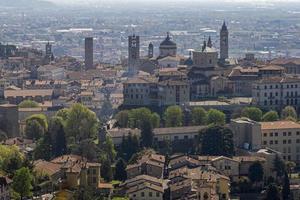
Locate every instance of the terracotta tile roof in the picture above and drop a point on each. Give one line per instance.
(143, 186)
(44, 167)
(24, 93)
(178, 130)
(279, 125)
(287, 79)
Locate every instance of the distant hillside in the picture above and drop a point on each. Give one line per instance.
(25, 3)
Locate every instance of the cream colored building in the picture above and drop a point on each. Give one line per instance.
(282, 136)
(148, 90)
(277, 92)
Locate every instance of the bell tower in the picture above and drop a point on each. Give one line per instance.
(224, 46)
(133, 53)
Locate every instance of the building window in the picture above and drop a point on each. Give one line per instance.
(271, 142)
(265, 142)
(265, 134)
(276, 134)
(289, 133)
(298, 133)
(150, 194)
(276, 142)
(186, 137)
(289, 157)
(271, 134)
(298, 141)
(142, 194)
(284, 141)
(289, 142)
(284, 133)
(157, 194)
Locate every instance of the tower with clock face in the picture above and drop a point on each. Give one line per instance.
(224, 46)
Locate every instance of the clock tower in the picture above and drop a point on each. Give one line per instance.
(224, 46)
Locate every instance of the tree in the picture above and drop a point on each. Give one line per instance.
(216, 117)
(81, 123)
(252, 113)
(34, 130)
(146, 134)
(216, 141)
(289, 112)
(199, 116)
(121, 174)
(28, 104)
(155, 120)
(279, 166)
(106, 169)
(63, 113)
(43, 149)
(272, 192)
(22, 182)
(270, 116)
(10, 158)
(57, 136)
(109, 148)
(130, 145)
(256, 172)
(122, 118)
(286, 187)
(173, 116)
(41, 119)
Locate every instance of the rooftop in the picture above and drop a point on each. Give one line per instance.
(279, 125)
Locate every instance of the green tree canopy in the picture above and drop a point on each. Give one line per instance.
(81, 123)
(173, 116)
(57, 136)
(216, 141)
(256, 172)
(109, 148)
(63, 113)
(199, 116)
(252, 113)
(122, 118)
(41, 119)
(28, 104)
(120, 173)
(289, 112)
(272, 192)
(11, 158)
(22, 182)
(279, 166)
(146, 134)
(155, 120)
(270, 116)
(130, 145)
(34, 130)
(286, 187)
(216, 117)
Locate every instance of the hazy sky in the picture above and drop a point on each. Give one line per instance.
(123, 1)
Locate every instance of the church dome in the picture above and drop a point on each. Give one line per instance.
(168, 42)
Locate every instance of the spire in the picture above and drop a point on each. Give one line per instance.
(204, 46)
(168, 35)
(224, 27)
(209, 43)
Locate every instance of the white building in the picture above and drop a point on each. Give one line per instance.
(277, 92)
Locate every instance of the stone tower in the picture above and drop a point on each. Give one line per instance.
(150, 50)
(133, 53)
(224, 46)
(89, 53)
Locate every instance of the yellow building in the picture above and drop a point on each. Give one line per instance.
(284, 137)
